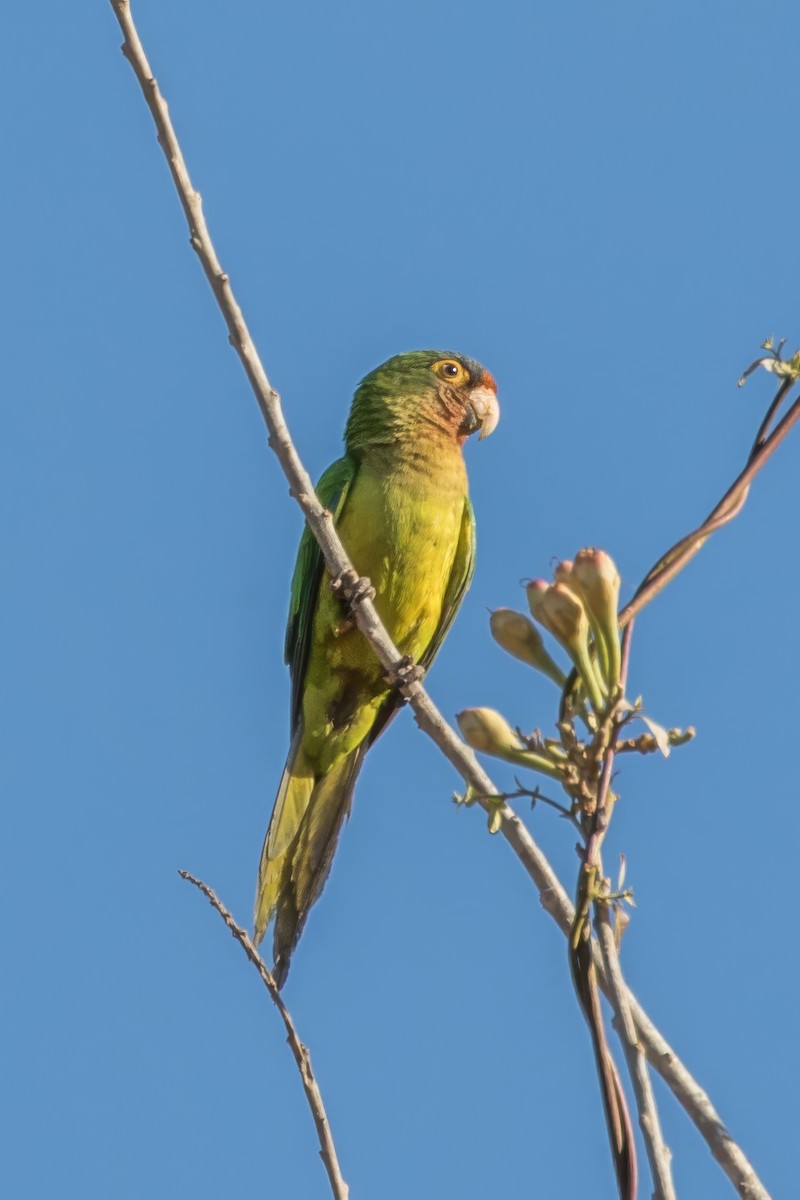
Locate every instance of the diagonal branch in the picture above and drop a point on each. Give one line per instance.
(658, 1153)
(327, 1149)
(729, 506)
(552, 895)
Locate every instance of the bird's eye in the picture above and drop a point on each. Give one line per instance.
(452, 371)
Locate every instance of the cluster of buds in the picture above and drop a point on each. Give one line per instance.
(579, 609)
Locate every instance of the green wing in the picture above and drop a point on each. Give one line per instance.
(332, 491)
(459, 581)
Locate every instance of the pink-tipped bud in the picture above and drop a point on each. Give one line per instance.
(518, 635)
(596, 578)
(597, 574)
(560, 610)
(536, 590)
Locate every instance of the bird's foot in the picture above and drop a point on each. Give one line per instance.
(405, 671)
(352, 587)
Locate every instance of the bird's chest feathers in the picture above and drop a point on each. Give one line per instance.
(403, 535)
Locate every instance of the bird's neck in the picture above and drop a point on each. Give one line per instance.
(420, 456)
(405, 430)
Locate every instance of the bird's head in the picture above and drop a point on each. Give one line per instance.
(425, 391)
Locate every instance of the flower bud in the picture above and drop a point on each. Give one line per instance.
(519, 636)
(596, 579)
(487, 730)
(597, 574)
(561, 611)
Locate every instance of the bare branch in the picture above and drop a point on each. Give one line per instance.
(327, 1149)
(729, 506)
(658, 1154)
(592, 893)
(697, 1103)
(552, 895)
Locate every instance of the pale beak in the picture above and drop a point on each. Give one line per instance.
(483, 402)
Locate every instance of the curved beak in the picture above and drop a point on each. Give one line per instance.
(484, 410)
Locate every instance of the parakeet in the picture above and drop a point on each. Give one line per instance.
(401, 508)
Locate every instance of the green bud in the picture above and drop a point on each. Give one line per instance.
(597, 581)
(519, 636)
(565, 573)
(597, 574)
(560, 610)
(487, 730)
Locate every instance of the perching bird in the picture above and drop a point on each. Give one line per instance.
(400, 504)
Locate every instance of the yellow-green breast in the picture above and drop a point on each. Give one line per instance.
(403, 534)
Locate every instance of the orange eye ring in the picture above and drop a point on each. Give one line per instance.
(451, 371)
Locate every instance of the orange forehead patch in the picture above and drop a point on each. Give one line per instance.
(487, 379)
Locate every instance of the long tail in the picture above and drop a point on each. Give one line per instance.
(299, 846)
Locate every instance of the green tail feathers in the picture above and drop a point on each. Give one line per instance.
(299, 847)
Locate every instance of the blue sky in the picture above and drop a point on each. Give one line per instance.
(599, 203)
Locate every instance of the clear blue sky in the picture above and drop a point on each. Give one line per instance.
(600, 203)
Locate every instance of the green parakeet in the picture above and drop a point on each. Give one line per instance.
(400, 504)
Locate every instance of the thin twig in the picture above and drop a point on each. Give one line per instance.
(585, 976)
(536, 797)
(552, 895)
(731, 504)
(327, 1149)
(658, 1154)
(763, 429)
(697, 1104)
